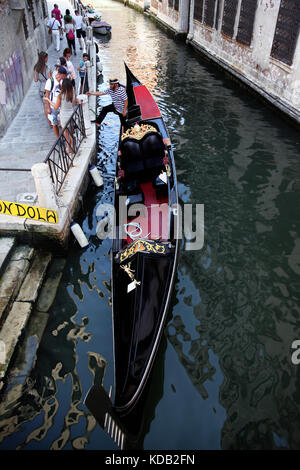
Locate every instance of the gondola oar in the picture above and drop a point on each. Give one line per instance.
(99, 404)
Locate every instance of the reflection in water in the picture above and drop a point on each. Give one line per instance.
(224, 377)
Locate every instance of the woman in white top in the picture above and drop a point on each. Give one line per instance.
(66, 101)
(67, 54)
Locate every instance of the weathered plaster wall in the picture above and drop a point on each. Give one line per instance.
(275, 80)
(18, 54)
(166, 14)
(254, 62)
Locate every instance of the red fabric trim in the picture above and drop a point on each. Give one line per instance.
(146, 101)
(158, 225)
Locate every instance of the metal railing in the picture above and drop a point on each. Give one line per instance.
(61, 156)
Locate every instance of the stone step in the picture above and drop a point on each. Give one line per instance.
(13, 277)
(10, 333)
(24, 356)
(35, 276)
(18, 370)
(6, 246)
(18, 315)
(50, 286)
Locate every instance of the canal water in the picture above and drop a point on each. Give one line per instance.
(224, 376)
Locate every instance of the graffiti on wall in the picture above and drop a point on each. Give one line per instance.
(11, 84)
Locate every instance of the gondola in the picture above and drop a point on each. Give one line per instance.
(144, 257)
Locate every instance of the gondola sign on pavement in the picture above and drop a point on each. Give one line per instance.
(29, 212)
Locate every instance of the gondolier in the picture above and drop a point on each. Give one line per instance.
(119, 104)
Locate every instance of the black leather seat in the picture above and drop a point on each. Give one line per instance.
(142, 159)
(132, 160)
(153, 151)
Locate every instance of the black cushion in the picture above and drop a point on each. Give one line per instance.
(131, 150)
(142, 158)
(152, 150)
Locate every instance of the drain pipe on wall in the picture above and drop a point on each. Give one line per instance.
(190, 32)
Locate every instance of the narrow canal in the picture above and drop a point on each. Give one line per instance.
(224, 378)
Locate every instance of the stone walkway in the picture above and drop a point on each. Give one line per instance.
(29, 138)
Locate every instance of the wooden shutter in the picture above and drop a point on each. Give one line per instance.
(246, 22)
(287, 31)
(229, 14)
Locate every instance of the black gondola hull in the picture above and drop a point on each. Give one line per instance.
(139, 315)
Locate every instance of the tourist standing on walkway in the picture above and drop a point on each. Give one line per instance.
(52, 90)
(84, 86)
(119, 104)
(55, 28)
(80, 33)
(56, 67)
(66, 100)
(68, 18)
(41, 73)
(58, 16)
(67, 55)
(70, 34)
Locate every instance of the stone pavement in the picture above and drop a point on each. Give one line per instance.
(29, 138)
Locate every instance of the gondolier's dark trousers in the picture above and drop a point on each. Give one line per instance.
(111, 109)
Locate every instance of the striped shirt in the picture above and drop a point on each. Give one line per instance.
(118, 97)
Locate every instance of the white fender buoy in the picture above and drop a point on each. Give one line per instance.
(79, 234)
(98, 180)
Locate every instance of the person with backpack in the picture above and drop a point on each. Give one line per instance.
(41, 73)
(70, 33)
(52, 90)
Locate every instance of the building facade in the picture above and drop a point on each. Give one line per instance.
(23, 33)
(255, 40)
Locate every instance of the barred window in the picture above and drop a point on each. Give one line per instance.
(209, 13)
(30, 4)
(25, 27)
(230, 8)
(246, 22)
(198, 10)
(45, 14)
(287, 31)
(33, 19)
(176, 5)
(170, 3)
